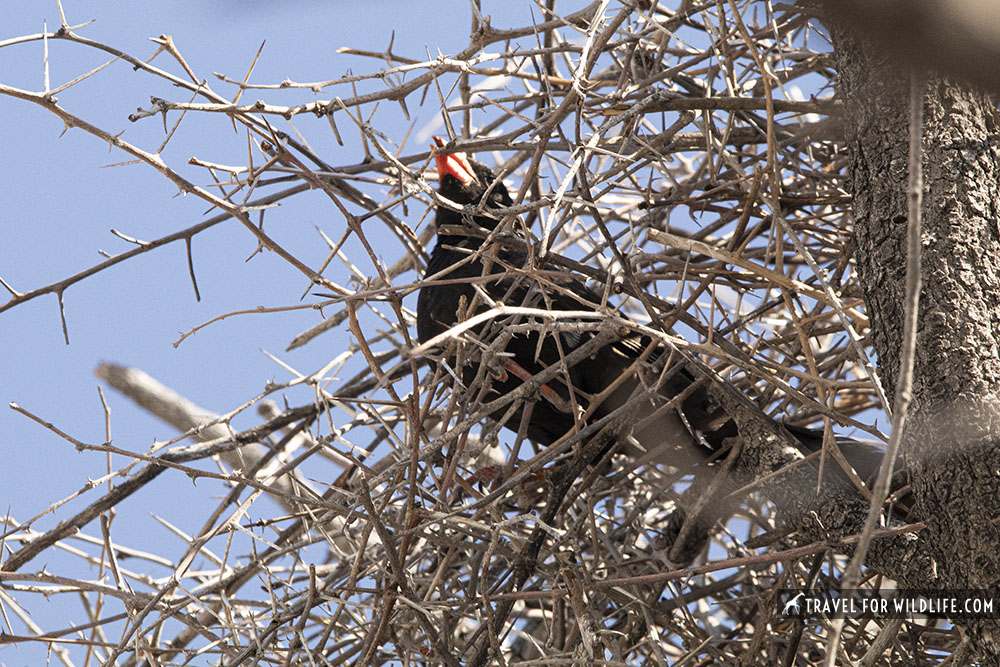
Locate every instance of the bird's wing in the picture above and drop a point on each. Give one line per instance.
(627, 379)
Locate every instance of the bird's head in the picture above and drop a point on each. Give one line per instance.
(465, 181)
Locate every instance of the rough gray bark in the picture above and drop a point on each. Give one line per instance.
(951, 445)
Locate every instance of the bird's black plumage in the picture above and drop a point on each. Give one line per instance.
(465, 275)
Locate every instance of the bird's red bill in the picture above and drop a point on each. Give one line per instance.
(456, 164)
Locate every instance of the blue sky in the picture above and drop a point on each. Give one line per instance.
(62, 193)
(61, 198)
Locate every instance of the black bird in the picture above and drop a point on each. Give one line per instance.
(469, 277)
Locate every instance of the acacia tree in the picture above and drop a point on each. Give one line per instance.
(695, 166)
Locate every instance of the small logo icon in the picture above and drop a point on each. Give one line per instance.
(791, 607)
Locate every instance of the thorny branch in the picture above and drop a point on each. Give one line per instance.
(682, 182)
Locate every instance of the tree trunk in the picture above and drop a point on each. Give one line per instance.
(954, 423)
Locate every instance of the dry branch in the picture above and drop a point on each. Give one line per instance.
(673, 164)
